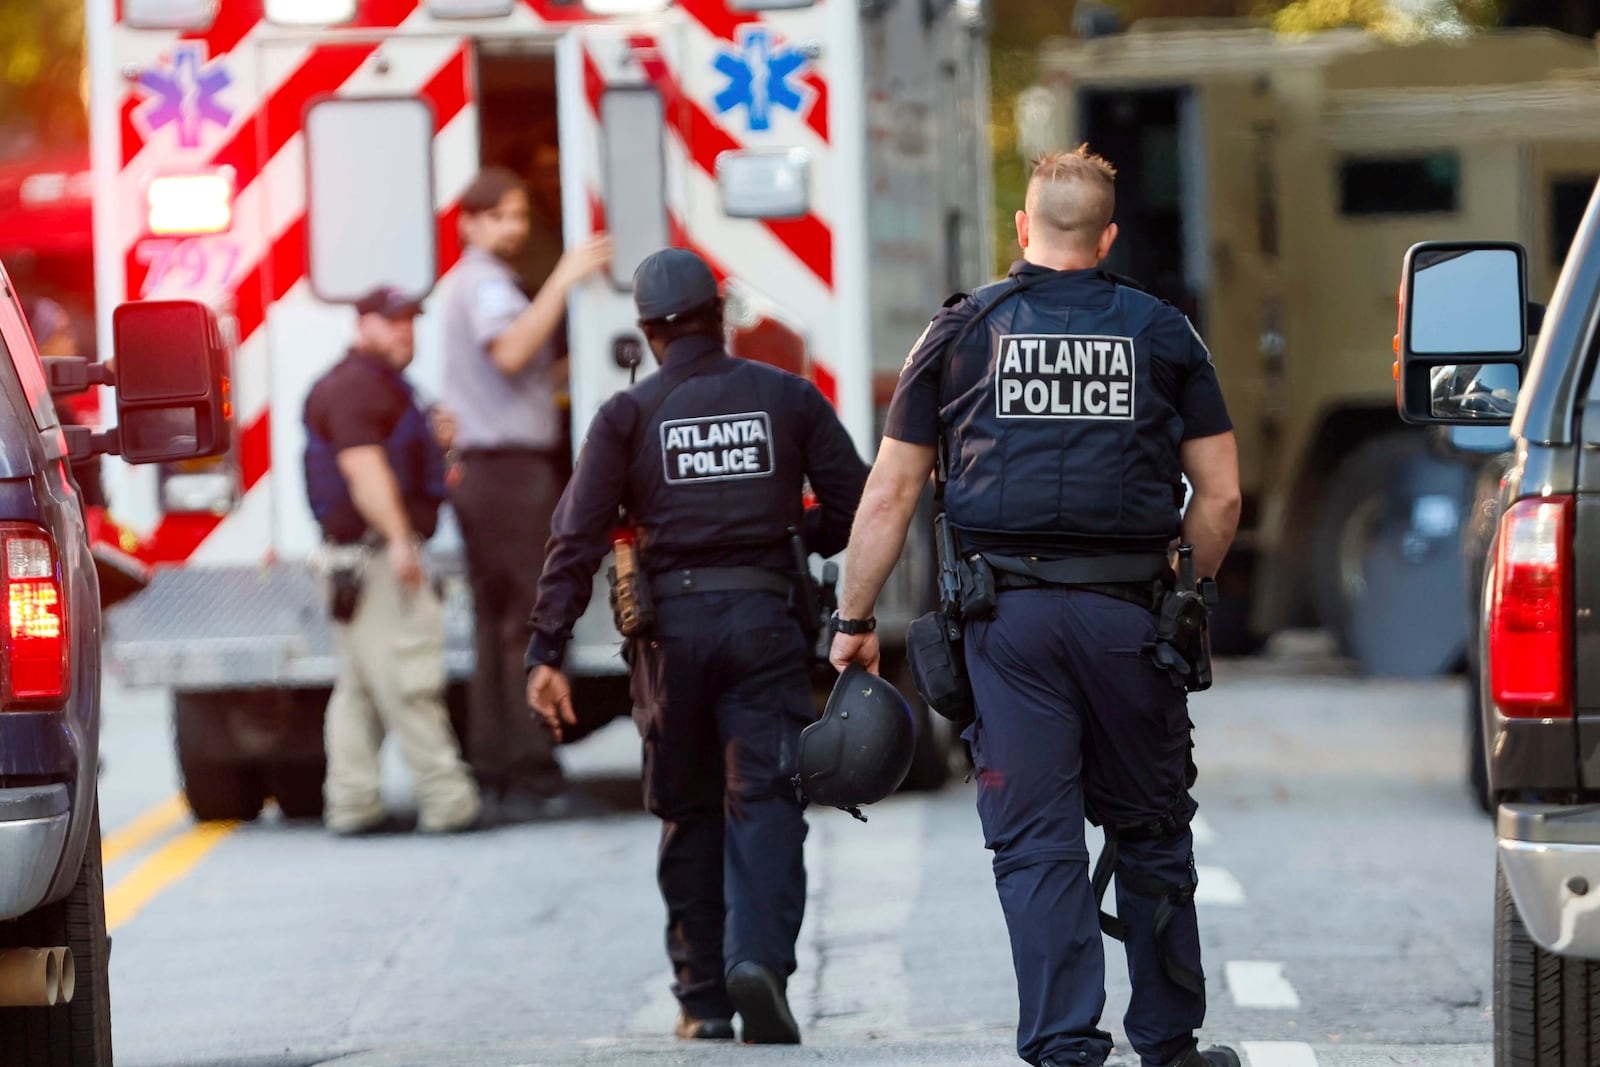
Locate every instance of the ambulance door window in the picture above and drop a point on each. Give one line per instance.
(369, 167)
(632, 122)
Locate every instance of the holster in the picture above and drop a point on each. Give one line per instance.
(938, 667)
(343, 569)
(1182, 644)
(632, 609)
(978, 593)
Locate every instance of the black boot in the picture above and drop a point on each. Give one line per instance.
(692, 1029)
(1215, 1056)
(758, 996)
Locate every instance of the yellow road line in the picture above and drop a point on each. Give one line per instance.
(172, 861)
(146, 828)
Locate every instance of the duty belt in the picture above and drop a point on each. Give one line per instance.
(1134, 577)
(719, 580)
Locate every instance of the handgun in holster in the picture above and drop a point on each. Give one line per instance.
(632, 610)
(1182, 643)
(933, 641)
(813, 602)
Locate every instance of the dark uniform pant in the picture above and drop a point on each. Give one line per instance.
(1069, 712)
(503, 502)
(720, 698)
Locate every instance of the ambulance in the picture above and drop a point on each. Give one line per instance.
(277, 158)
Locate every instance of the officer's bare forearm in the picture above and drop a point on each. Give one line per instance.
(1209, 525)
(530, 332)
(375, 491)
(879, 532)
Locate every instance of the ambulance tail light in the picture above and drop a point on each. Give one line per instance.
(190, 205)
(1530, 620)
(37, 662)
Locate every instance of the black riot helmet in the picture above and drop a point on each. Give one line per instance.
(860, 750)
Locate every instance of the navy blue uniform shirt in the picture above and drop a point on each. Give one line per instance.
(618, 466)
(1182, 364)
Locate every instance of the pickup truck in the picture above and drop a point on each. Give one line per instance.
(172, 404)
(1465, 325)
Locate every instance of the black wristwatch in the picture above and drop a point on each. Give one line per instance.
(852, 626)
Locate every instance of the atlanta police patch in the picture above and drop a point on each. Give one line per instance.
(717, 448)
(1057, 376)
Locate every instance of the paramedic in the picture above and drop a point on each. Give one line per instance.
(375, 476)
(499, 386)
(1068, 412)
(708, 456)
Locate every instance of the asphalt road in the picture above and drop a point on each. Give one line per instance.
(1345, 905)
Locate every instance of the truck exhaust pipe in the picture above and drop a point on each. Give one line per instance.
(36, 977)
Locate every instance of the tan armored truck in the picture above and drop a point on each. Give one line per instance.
(1263, 177)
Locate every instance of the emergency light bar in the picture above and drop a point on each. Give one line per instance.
(187, 205)
(310, 12)
(469, 9)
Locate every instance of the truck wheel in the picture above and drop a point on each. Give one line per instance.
(1387, 578)
(1546, 1007)
(297, 787)
(218, 783)
(76, 1034)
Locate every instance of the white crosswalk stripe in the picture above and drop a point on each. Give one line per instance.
(1218, 887)
(1279, 1054)
(1260, 984)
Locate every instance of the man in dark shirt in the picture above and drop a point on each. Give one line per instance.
(375, 478)
(709, 456)
(1069, 405)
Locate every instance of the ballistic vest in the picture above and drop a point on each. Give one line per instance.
(1058, 433)
(414, 456)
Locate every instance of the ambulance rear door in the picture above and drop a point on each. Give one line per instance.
(622, 174)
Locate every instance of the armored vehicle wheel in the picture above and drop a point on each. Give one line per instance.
(1386, 562)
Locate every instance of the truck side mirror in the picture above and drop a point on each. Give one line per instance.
(173, 398)
(1463, 332)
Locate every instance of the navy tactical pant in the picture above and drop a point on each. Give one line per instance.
(1069, 711)
(720, 697)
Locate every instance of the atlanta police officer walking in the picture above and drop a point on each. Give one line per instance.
(1068, 408)
(708, 457)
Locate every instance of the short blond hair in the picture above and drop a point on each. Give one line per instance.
(1072, 194)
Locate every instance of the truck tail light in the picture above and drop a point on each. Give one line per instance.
(36, 642)
(1530, 618)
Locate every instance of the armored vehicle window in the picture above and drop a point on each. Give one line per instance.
(1569, 197)
(1400, 185)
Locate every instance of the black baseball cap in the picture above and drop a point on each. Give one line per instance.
(390, 302)
(671, 282)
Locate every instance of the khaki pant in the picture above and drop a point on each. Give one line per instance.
(391, 681)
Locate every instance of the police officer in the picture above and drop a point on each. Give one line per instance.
(375, 478)
(1069, 403)
(708, 456)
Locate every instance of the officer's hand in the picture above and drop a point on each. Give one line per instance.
(582, 260)
(854, 648)
(550, 696)
(406, 562)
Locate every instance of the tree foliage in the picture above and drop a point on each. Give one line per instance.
(42, 71)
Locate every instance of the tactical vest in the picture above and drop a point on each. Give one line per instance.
(719, 460)
(1062, 438)
(414, 456)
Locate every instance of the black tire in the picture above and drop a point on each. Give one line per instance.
(1546, 1007)
(76, 1034)
(219, 785)
(297, 788)
(1384, 587)
(1477, 750)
